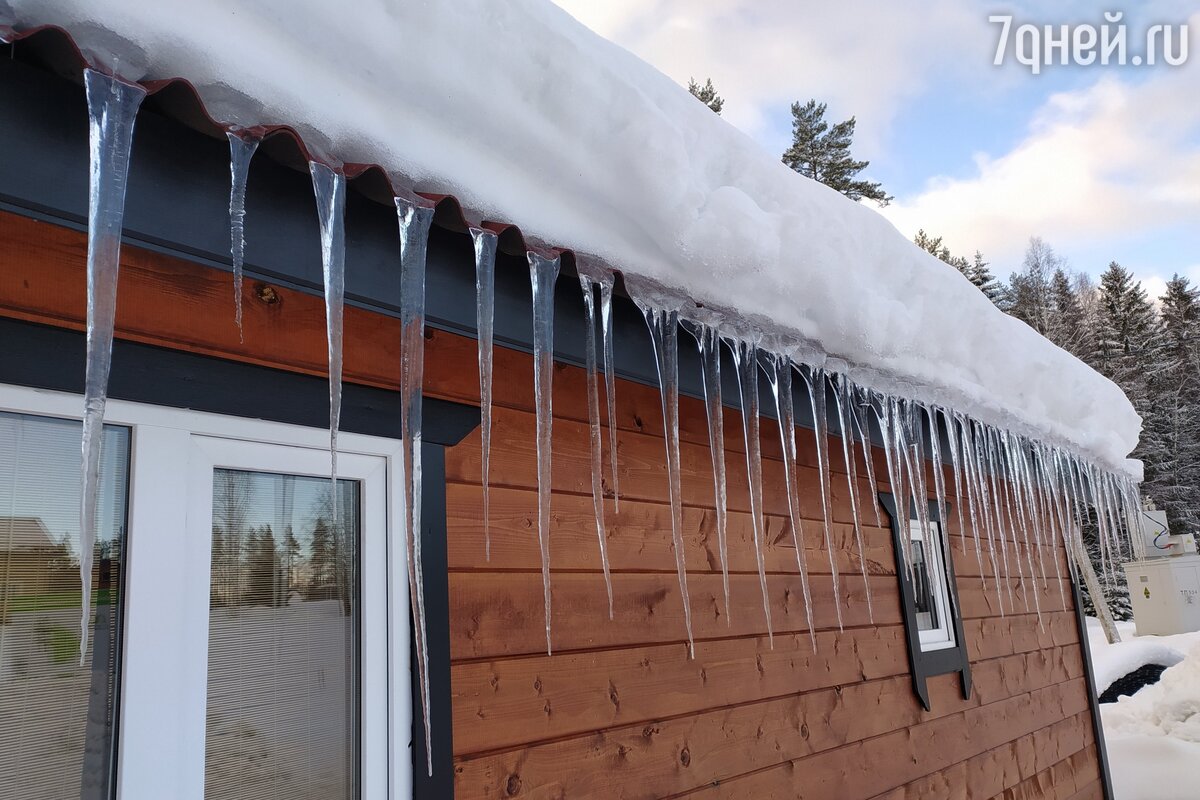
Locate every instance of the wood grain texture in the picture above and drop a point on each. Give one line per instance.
(621, 711)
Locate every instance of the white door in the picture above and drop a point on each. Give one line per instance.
(266, 633)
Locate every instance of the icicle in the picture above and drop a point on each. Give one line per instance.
(664, 333)
(816, 397)
(882, 407)
(589, 308)
(330, 189)
(414, 224)
(242, 145)
(992, 483)
(485, 308)
(745, 359)
(977, 485)
(610, 382)
(709, 342)
(841, 397)
(939, 485)
(1048, 471)
(910, 427)
(864, 433)
(956, 460)
(543, 272)
(779, 373)
(1019, 487)
(112, 111)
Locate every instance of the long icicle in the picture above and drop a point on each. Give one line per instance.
(977, 484)
(709, 342)
(815, 381)
(485, 309)
(779, 374)
(956, 462)
(664, 333)
(745, 359)
(841, 397)
(242, 146)
(597, 456)
(330, 189)
(883, 414)
(112, 110)
(414, 224)
(863, 426)
(543, 272)
(939, 486)
(991, 480)
(610, 381)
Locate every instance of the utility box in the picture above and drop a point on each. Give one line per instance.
(1165, 594)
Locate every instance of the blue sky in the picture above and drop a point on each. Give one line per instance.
(1103, 162)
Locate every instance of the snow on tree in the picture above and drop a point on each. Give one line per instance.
(1029, 293)
(1171, 434)
(822, 152)
(707, 94)
(981, 275)
(976, 270)
(1067, 324)
(1126, 331)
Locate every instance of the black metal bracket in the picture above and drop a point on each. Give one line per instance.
(925, 664)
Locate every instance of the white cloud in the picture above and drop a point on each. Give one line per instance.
(866, 59)
(1120, 158)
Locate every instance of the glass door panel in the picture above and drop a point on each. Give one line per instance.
(57, 712)
(282, 715)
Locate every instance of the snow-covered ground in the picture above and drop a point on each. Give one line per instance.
(1153, 737)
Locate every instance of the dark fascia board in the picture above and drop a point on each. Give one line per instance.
(922, 664)
(177, 203)
(1093, 696)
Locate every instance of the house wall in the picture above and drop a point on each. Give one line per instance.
(620, 711)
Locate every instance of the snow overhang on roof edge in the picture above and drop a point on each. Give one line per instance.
(176, 97)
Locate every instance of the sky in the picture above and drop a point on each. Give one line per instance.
(1100, 161)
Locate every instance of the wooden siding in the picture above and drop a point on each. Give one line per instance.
(620, 711)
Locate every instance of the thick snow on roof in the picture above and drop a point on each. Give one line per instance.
(530, 118)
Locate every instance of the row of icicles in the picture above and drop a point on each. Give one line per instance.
(1021, 496)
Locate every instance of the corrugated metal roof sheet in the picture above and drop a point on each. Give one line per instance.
(53, 48)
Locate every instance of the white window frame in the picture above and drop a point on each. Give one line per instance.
(941, 637)
(165, 647)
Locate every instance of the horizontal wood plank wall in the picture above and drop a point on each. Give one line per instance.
(620, 711)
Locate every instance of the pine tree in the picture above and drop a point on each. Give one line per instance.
(1170, 443)
(707, 94)
(1066, 324)
(822, 153)
(1126, 331)
(1029, 290)
(982, 277)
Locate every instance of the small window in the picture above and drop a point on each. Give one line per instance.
(928, 599)
(930, 590)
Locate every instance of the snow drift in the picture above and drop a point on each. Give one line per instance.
(528, 117)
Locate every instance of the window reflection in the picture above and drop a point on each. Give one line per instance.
(57, 715)
(283, 639)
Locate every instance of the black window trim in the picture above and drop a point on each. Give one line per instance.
(926, 663)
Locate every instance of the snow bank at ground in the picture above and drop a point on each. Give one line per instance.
(528, 117)
(1153, 737)
(1153, 768)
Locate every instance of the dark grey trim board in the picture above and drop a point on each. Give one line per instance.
(1093, 699)
(922, 664)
